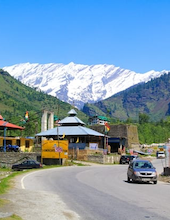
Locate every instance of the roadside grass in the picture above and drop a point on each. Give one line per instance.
(6, 181)
(12, 217)
(3, 202)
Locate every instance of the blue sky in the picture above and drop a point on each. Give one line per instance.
(132, 34)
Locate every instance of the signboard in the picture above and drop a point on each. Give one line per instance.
(93, 146)
(54, 149)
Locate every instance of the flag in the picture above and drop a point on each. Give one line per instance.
(62, 137)
(26, 116)
(107, 127)
(77, 140)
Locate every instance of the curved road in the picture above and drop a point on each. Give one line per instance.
(102, 192)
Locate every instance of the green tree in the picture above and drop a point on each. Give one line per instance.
(143, 118)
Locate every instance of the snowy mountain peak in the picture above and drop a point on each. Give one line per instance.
(78, 83)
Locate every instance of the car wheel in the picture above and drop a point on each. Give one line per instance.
(128, 179)
(155, 182)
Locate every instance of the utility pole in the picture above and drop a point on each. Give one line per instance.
(36, 131)
(58, 131)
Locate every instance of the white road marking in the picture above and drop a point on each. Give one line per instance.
(22, 180)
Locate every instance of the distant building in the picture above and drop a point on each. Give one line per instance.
(98, 120)
(120, 137)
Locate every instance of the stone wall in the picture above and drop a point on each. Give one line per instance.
(104, 159)
(95, 156)
(111, 159)
(9, 158)
(80, 154)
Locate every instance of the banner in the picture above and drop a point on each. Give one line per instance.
(93, 146)
(54, 149)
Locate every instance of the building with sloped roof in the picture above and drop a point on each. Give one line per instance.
(74, 130)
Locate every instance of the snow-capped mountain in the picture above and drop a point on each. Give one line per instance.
(78, 84)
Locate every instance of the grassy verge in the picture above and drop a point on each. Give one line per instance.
(5, 182)
(12, 217)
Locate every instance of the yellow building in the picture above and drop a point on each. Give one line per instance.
(25, 144)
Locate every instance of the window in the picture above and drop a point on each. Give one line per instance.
(27, 144)
(8, 142)
(18, 142)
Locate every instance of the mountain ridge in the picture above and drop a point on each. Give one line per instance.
(77, 83)
(151, 98)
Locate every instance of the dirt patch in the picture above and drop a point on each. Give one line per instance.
(38, 205)
(5, 209)
(164, 178)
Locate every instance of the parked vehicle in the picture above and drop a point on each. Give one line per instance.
(28, 164)
(127, 158)
(10, 148)
(141, 171)
(160, 154)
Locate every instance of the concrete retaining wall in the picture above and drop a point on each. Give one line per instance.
(104, 159)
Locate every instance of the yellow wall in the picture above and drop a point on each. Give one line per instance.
(49, 149)
(22, 142)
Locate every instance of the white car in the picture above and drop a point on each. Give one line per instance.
(161, 154)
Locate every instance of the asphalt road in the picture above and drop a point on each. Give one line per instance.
(102, 192)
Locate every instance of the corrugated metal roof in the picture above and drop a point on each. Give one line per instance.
(72, 112)
(69, 130)
(71, 120)
(8, 125)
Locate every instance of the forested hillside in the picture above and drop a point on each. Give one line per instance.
(152, 98)
(16, 99)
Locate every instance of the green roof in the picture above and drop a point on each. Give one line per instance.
(103, 118)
